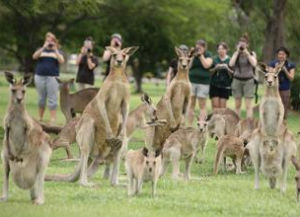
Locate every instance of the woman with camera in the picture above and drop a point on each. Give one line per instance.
(116, 42)
(220, 85)
(243, 85)
(200, 79)
(285, 76)
(86, 62)
(47, 68)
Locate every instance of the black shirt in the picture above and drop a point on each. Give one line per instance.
(84, 74)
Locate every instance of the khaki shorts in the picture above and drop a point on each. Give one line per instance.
(243, 88)
(200, 90)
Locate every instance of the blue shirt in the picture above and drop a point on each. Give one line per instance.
(47, 64)
(284, 82)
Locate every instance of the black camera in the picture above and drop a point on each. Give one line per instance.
(242, 48)
(89, 50)
(50, 46)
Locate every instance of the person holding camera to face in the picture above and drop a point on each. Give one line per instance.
(86, 62)
(200, 79)
(48, 57)
(116, 42)
(243, 62)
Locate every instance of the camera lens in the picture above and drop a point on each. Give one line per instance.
(241, 48)
(89, 50)
(50, 45)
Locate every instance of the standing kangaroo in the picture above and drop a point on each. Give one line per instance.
(26, 150)
(173, 105)
(97, 130)
(70, 104)
(271, 109)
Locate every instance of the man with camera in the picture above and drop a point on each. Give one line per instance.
(116, 42)
(47, 68)
(243, 85)
(86, 62)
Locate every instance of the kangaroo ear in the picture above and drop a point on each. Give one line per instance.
(27, 79)
(191, 52)
(130, 50)
(10, 77)
(146, 99)
(178, 51)
(157, 152)
(262, 67)
(296, 163)
(145, 152)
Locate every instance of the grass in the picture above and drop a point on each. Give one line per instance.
(205, 195)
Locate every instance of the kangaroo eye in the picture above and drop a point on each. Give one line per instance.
(147, 162)
(13, 90)
(23, 91)
(154, 163)
(296, 178)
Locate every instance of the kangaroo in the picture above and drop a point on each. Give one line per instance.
(230, 146)
(26, 147)
(184, 144)
(271, 154)
(222, 122)
(271, 109)
(142, 165)
(173, 105)
(70, 104)
(297, 177)
(97, 131)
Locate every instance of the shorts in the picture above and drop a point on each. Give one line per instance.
(223, 93)
(200, 90)
(243, 88)
(47, 87)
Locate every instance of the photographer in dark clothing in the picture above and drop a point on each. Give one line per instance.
(116, 42)
(86, 62)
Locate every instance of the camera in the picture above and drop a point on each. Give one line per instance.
(50, 45)
(89, 50)
(242, 48)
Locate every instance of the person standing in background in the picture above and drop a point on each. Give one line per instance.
(48, 57)
(243, 85)
(86, 62)
(285, 76)
(220, 85)
(116, 42)
(200, 79)
(173, 65)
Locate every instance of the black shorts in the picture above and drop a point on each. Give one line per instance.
(223, 93)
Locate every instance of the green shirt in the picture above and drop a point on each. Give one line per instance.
(221, 78)
(198, 74)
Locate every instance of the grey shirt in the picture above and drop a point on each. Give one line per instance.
(243, 68)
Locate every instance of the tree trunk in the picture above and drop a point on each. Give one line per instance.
(274, 34)
(137, 74)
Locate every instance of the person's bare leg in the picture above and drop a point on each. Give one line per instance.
(215, 103)
(202, 107)
(238, 104)
(52, 116)
(191, 110)
(222, 103)
(249, 109)
(41, 113)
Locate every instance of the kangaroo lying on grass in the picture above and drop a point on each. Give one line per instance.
(297, 177)
(26, 149)
(230, 146)
(70, 104)
(97, 132)
(272, 154)
(184, 144)
(173, 105)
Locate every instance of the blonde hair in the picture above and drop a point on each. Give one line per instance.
(53, 37)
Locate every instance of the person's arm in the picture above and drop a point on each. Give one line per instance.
(39, 51)
(233, 59)
(79, 57)
(289, 74)
(251, 58)
(90, 63)
(60, 57)
(206, 61)
(106, 55)
(169, 75)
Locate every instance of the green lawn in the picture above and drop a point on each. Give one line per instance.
(205, 195)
